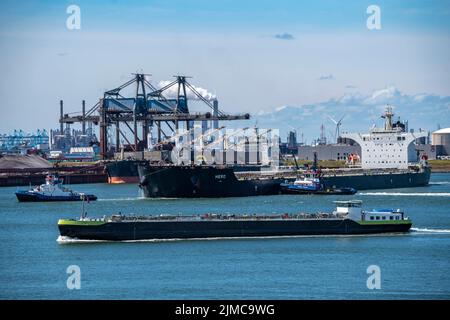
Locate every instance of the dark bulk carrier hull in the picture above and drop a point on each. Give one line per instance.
(202, 181)
(380, 180)
(123, 171)
(211, 181)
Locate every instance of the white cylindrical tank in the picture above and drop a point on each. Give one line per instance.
(441, 137)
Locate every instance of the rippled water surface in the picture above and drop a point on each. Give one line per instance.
(416, 265)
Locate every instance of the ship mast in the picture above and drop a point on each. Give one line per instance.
(388, 114)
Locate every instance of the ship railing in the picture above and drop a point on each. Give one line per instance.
(367, 172)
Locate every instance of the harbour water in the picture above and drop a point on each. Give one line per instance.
(413, 266)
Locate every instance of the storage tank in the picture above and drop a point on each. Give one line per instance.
(441, 139)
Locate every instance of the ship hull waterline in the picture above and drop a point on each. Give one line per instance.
(380, 181)
(30, 197)
(288, 189)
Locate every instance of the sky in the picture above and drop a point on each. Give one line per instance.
(261, 57)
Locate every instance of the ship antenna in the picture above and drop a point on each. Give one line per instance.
(314, 167)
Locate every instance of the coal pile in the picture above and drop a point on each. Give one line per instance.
(24, 162)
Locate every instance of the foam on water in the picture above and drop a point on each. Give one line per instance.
(406, 194)
(69, 240)
(136, 199)
(122, 199)
(427, 230)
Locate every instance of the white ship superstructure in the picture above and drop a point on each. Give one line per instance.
(388, 147)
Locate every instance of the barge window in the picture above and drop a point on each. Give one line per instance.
(391, 218)
(378, 218)
(384, 218)
(371, 218)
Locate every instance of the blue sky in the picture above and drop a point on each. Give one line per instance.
(238, 16)
(256, 56)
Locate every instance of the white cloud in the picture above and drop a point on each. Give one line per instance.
(362, 111)
(383, 94)
(327, 77)
(172, 92)
(284, 36)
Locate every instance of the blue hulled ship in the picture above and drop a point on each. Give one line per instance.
(52, 190)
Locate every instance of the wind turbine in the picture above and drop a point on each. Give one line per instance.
(338, 125)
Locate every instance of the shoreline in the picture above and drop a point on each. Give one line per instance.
(439, 170)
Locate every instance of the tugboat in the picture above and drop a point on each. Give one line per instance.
(347, 219)
(311, 183)
(52, 190)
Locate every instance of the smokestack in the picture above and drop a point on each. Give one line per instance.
(61, 114)
(215, 113)
(83, 123)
